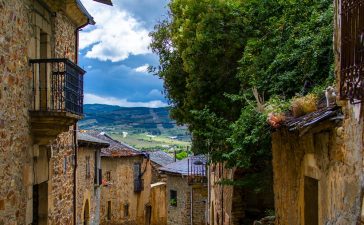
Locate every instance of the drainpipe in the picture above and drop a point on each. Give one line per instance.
(75, 133)
(74, 173)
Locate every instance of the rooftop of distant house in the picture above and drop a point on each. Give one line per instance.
(160, 157)
(87, 140)
(187, 165)
(116, 148)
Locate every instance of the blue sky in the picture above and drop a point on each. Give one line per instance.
(115, 53)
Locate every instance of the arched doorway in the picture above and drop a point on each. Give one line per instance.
(86, 213)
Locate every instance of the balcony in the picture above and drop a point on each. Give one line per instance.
(352, 51)
(197, 168)
(57, 97)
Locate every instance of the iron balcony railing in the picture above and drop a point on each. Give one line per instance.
(197, 168)
(352, 50)
(57, 86)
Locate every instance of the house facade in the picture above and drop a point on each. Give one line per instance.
(41, 99)
(126, 175)
(318, 158)
(38, 53)
(157, 160)
(186, 191)
(88, 178)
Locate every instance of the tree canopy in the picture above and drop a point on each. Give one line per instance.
(213, 53)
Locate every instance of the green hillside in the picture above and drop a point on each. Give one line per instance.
(143, 128)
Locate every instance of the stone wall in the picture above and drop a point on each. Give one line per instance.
(221, 198)
(21, 22)
(120, 192)
(199, 206)
(60, 184)
(158, 202)
(180, 214)
(15, 141)
(65, 37)
(86, 189)
(329, 154)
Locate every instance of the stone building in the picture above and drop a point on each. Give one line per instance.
(233, 204)
(318, 158)
(157, 160)
(41, 100)
(186, 191)
(158, 196)
(127, 175)
(88, 178)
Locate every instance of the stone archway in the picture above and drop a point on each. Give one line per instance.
(86, 213)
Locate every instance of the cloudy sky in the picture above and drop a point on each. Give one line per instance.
(115, 53)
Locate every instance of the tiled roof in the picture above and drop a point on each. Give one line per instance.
(116, 148)
(85, 139)
(160, 157)
(182, 166)
(313, 118)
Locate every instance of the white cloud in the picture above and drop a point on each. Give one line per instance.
(142, 69)
(115, 36)
(93, 99)
(155, 93)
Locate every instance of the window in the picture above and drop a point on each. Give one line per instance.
(138, 181)
(173, 198)
(126, 210)
(109, 210)
(88, 171)
(108, 175)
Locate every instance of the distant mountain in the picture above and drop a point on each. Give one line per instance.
(118, 119)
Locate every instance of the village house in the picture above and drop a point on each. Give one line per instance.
(88, 178)
(318, 157)
(41, 98)
(186, 191)
(126, 175)
(158, 196)
(158, 159)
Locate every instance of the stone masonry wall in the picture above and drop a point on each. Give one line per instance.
(221, 195)
(121, 190)
(328, 153)
(200, 194)
(65, 37)
(180, 214)
(60, 189)
(15, 140)
(158, 202)
(20, 25)
(85, 185)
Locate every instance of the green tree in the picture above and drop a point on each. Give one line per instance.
(199, 47)
(213, 53)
